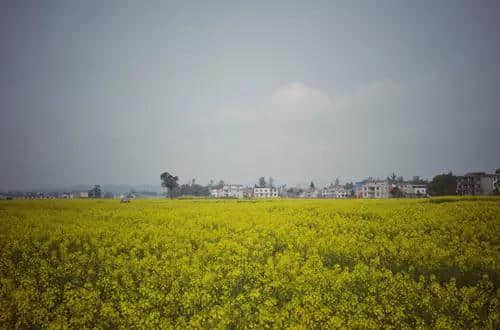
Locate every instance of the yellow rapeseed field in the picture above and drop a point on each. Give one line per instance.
(250, 264)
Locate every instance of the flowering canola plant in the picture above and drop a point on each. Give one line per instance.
(419, 263)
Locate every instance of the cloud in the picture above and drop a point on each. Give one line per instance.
(298, 101)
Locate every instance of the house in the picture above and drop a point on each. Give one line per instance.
(232, 191)
(412, 190)
(406, 188)
(265, 192)
(477, 183)
(229, 191)
(216, 193)
(376, 189)
(420, 189)
(81, 194)
(336, 191)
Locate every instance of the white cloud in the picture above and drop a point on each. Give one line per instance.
(298, 101)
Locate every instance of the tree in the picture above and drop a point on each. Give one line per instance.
(294, 192)
(392, 178)
(311, 185)
(262, 181)
(95, 192)
(497, 171)
(400, 179)
(191, 190)
(349, 187)
(271, 182)
(170, 182)
(442, 185)
(337, 181)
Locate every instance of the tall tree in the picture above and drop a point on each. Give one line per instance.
(262, 181)
(271, 182)
(95, 192)
(312, 185)
(442, 185)
(170, 182)
(337, 181)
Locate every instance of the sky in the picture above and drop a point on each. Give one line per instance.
(120, 91)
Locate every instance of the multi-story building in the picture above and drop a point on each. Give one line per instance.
(420, 189)
(376, 189)
(265, 192)
(233, 191)
(477, 183)
(335, 192)
(229, 191)
(412, 190)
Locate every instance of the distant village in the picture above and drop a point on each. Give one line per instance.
(473, 183)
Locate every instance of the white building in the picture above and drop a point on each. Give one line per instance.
(229, 191)
(335, 192)
(216, 193)
(265, 192)
(376, 189)
(413, 190)
(406, 188)
(81, 194)
(232, 191)
(420, 189)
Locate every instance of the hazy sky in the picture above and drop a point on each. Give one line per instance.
(117, 91)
